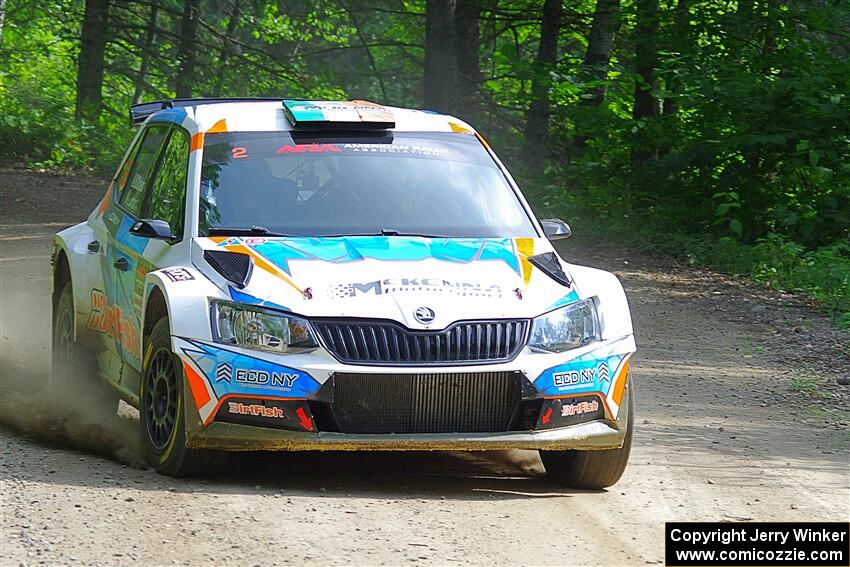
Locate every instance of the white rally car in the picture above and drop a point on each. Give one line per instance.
(314, 275)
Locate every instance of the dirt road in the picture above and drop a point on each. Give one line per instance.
(739, 417)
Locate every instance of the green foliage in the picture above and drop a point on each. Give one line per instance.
(746, 168)
(823, 274)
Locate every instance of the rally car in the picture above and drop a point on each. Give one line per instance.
(319, 275)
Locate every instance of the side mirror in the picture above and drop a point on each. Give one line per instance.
(556, 229)
(152, 228)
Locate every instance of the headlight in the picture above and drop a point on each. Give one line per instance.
(259, 329)
(566, 328)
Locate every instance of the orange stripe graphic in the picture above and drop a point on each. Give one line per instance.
(525, 247)
(218, 127)
(458, 129)
(196, 384)
(197, 142)
(264, 264)
(620, 380)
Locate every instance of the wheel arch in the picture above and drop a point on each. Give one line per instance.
(61, 274)
(184, 302)
(156, 307)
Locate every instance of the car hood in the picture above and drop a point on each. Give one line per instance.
(390, 277)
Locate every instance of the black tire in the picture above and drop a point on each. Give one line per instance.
(70, 365)
(592, 470)
(162, 411)
(74, 370)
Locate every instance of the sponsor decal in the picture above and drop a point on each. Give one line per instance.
(251, 377)
(561, 412)
(566, 380)
(424, 315)
(178, 274)
(398, 149)
(257, 410)
(307, 148)
(232, 241)
(405, 285)
(604, 375)
(229, 373)
(280, 414)
(223, 373)
(578, 408)
(110, 319)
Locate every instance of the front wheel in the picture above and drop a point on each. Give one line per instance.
(162, 412)
(592, 469)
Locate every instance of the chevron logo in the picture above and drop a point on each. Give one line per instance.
(604, 373)
(223, 373)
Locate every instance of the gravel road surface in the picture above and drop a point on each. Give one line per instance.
(739, 417)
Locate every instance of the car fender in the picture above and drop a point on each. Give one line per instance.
(84, 267)
(613, 307)
(187, 293)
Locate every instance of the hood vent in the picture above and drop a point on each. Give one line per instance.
(233, 266)
(548, 263)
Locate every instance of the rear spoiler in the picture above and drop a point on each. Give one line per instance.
(140, 112)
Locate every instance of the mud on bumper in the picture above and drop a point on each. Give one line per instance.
(600, 434)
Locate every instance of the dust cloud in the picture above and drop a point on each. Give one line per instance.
(85, 417)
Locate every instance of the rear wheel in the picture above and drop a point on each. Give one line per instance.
(69, 362)
(592, 469)
(74, 366)
(162, 412)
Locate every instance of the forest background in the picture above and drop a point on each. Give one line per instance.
(716, 131)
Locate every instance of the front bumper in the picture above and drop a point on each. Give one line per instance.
(600, 434)
(577, 403)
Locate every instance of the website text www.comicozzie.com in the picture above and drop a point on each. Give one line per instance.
(689, 556)
(737, 543)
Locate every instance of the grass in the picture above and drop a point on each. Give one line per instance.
(805, 384)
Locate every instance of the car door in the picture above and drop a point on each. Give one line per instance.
(123, 258)
(164, 199)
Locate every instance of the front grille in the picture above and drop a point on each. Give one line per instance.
(427, 403)
(386, 342)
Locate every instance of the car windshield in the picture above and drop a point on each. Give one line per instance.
(428, 184)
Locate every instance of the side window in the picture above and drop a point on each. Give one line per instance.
(124, 173)
(168, 192)
(133, 193)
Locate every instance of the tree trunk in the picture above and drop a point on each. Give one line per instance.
(227, 45)
(600, 45)
(2, 17)
(150, 39)
(646, 63)
(440, 66)
(682, 37)
(90, 69)
(186, 53)
(467, 14)
(537, 117)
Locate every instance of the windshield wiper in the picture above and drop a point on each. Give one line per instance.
(241, 231)
(384, 232)
(396, 232)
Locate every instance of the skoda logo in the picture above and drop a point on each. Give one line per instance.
(424, 315)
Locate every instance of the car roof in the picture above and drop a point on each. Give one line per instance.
(221, 115)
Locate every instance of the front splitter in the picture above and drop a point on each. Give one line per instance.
(594, 435)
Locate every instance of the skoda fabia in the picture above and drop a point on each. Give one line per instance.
(317, 275)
